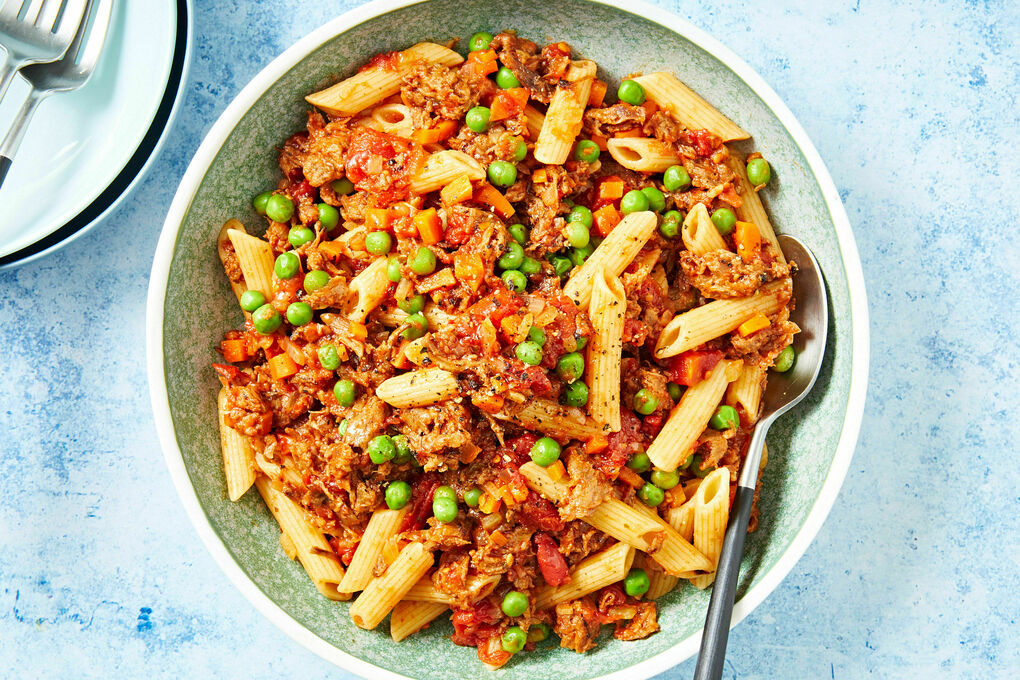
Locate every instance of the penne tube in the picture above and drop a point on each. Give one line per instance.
(420, 387)
(313, 551)
(394, 119)
(607, 310)
(535, 120)
(442, 167)
(394, 316)
(711, 513)
(238, 456)
(371, 287)
(598, 571)
(383, 593)
(563, 117)
(257, 261)
(643, 154)
(719, 317)
(222, 239)
(425, 591)
(688, 107)
(751, 208)
(409, 617)
(699, 234)
(542, 415)
(613, 254)
(681, 518)
(372, 85)
(688, 419)
(746, 390)
(659, 582)
(383, 526)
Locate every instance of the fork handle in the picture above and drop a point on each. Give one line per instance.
(17, 132)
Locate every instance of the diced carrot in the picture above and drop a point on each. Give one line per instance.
(748, 239)
(488, 503)
(490, 403)
(469, 452)
(489, 195)
(378, 219)
(556, 471)
(753, 325)
(606, 218)
(234, 350)
(650, 107)
(539, 176)
(457, 191)
(282, 366)
(507, 496)
(631, 478)
(601, 141)
(443, 278)
(498, 538)
(598, 93)
(441, 132)
(611, 189)
(429, 226)
(330, 248)
(519, 490)
(629, 132)
(358, 330)
(508, 103)
(676, 496)
(483, 61)
(469, 269)
(596, 444)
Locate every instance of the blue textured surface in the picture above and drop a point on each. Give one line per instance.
(916, 571)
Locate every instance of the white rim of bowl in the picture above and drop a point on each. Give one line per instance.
(193, 178)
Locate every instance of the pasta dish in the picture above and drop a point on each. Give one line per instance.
(505, 338)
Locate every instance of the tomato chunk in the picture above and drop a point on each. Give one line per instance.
(550, 560)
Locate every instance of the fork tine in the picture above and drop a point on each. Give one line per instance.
(33, 11)
(48, 15)
(101, 11)
(10, 10)
(74, 16)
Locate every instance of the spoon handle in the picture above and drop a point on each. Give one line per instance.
(712, 655)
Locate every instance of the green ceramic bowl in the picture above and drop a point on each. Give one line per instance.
(190, 306)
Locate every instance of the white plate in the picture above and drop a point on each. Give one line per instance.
(79, 141)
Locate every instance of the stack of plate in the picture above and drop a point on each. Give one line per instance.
(85, 150)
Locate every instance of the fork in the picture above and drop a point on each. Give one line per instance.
(33, 31)
(69, 73)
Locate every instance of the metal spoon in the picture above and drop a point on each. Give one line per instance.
(783, 391)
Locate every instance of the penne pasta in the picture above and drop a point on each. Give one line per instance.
(370, 288)
(394, 119)
(256, 259)
(420, 387)
(425, 591)
(563, 117)
(535, 121)
(686, 106)
(238, 457)
(613, 254)
(699, 234)
(383, 526)
(598, 571)
(644, 154)
(222, 239)
(555, 420)
(746, 390)
(607, 310)
(382, 593)
(711, 513)
(701, 324)
(372, 85)
(409, 617)
(443, 167)
(681, 518)
(751, 208)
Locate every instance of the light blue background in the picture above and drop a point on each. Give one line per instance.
(915, 573)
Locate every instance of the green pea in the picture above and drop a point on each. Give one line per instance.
(675, 391)
(529, 352)
(725, 418)
(570, 367)
(477, 119)
(378, 242)
(344, 391)
(314, 280)
(445, 492)
(479, 41)
(472, 497)
(398, 494)
(656, 201)
(676, 178)
(515, 603)
(695, 467)
(724, 220)
(587, 151)
(444, 509)
(505, 79)
(515, 280)
(645, 402)
(519, 233)
(640, 462)
(636, 583)
(287, 265)
(393, 270)
(630, 91)
(665, 479)
(260, 202)
(579, 255)
(580, 214)
(418, 326)
(633, 201)
(252, 300)
(382, 449)
(670, 224)
(686, 462)
(562, 265)
(423, 262)
(520, 150)
(536, 334)
(266, 319)
(785, 359)
(403, 450)
(578, 235)
(513, 257)
(514, 639)
(299, 313)
(329, 216)
(413, 304)
(502, 173)
(341, 429)
(758, 171)
(530, 266)
(546, 451)
(575, 394)
(581, 341)
(298, 236)
(329, 357)
(651, 495)
(342, 186)
(279, 208)
(538, 632)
